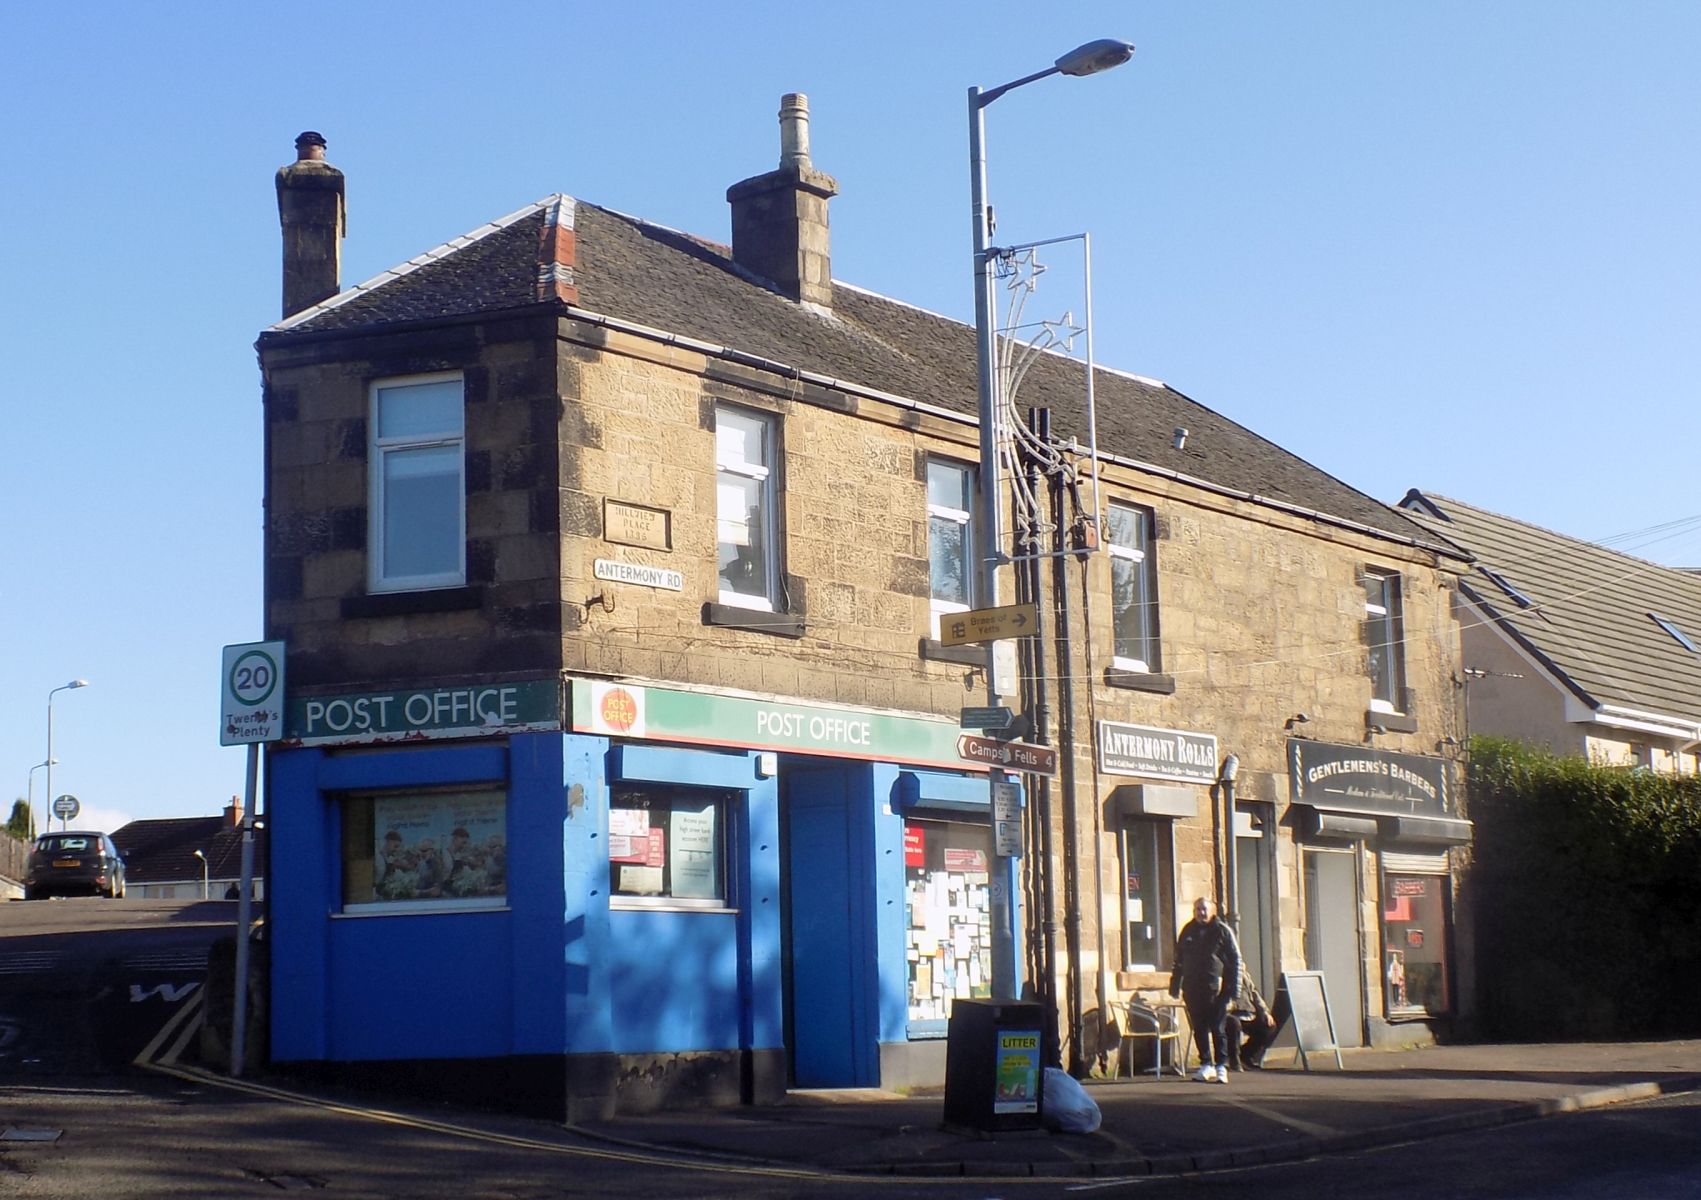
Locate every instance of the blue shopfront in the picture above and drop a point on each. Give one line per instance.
(578, 897)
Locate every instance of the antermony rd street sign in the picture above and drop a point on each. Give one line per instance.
(1009, 756)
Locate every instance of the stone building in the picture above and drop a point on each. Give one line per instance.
(623, 760)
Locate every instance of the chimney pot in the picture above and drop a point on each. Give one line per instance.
(310, 146)
(794, 130)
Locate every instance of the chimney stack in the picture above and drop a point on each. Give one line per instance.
(779, 220)
(233, 813)
(311, 209)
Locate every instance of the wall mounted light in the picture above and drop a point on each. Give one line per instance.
(1297, 719)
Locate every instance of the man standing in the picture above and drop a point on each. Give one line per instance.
(1207, 968)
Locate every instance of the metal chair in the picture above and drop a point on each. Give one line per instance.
(1141, 1022)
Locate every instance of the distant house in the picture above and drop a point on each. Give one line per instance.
(160, 861)
(1573, 646)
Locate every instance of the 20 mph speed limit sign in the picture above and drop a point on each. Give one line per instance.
(252, 695)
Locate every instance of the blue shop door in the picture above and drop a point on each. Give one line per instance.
(832, 980)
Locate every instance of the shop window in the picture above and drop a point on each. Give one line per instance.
(667, 845)
(950, 538)
(1414, 961)
(1133, 589)
(424, 850)
(1384, 636)
(947, 873)
(1148, 895)
(416, 464)
(745, 518)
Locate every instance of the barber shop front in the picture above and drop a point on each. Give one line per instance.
(609, 896)
(1375, 830)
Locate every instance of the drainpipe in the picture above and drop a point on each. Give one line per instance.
(1231, 864)
(1028, 586)
(1066, 781)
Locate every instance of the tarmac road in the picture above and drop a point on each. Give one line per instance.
(147, 1138)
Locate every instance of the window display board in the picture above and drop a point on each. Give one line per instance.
(948, 919)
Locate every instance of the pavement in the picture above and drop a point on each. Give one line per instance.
(1172, 1125)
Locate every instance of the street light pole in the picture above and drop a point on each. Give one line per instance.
(30, 798)
(75, 683)
(203, 858)
(1087, 59)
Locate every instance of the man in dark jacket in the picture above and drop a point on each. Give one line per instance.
(1207, 971)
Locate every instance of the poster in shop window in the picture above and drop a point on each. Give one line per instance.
(439, 847)
(692, 861)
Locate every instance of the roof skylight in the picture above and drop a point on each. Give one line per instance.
(1676, 633)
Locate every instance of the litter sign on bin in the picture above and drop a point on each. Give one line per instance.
(1018, 1071)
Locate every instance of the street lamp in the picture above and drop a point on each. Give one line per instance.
(203, 858)
(65, 687)
(30, 797)
(1087, 59)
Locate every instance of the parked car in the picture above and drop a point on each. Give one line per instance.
(72, 863)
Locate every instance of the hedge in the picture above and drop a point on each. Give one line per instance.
(1585, 891)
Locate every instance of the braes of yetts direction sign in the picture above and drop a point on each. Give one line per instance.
(251, 694)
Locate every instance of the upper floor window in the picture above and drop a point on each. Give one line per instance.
(1133, 588)
(417, 465)
(950, 537)
(744, 508)
(1383, 626)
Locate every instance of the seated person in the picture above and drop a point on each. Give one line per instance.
(1252, 1027)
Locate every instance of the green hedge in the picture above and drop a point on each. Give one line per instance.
(1585, 888)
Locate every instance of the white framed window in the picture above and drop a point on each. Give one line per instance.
(667, 846)
(1148, 894)
(1133, 588)
(744, 508)
(416, 461)
(950, 538)
(1384, 635)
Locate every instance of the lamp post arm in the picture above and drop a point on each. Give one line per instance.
(991, 94)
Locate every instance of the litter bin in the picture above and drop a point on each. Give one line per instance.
(993, 1067)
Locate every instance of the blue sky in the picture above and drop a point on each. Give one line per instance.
(1450, 245)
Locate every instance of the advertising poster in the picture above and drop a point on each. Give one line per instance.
(695, 873)
(439, 847)
(1018, 1071)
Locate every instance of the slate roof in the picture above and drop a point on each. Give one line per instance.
(646, 275)
(1584, 609)
(163, 850)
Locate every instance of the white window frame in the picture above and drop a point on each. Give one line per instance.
(964, 517)
(763, 473)
(378, 449)
(1140, 560)
(1163, 833)
(1388, 617)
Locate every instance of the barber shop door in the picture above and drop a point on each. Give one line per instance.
(1332, 937)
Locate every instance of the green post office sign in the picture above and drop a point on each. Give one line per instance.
(633, 711)
(470, 710)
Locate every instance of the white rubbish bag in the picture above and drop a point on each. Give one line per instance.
(1068, 1108)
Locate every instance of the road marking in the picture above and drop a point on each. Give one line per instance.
(176, 960)
(30, 962)
(179, 1018)
(1282, 1118)
(171, 993)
